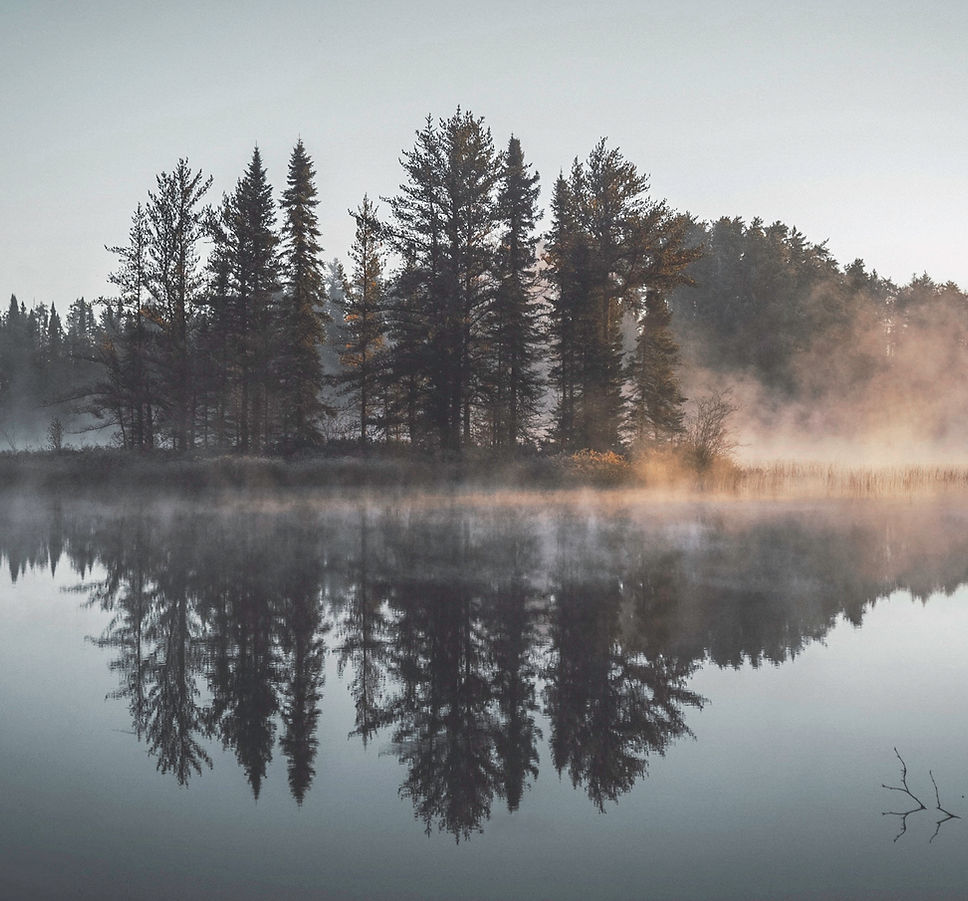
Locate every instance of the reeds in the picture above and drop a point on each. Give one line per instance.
(795, 479)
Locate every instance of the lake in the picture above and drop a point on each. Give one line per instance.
(484, 696)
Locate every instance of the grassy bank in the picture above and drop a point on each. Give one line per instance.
(99, 470)
(102, 469)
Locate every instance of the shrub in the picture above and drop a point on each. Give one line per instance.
(707, 433)
(598, 467)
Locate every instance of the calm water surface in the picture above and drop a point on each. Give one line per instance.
(481, 699)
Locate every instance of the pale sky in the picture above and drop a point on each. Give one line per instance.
(846, 119)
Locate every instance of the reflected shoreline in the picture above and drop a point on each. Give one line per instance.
(459, 627)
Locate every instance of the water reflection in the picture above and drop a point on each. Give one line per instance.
(915, 804)
(459, 630)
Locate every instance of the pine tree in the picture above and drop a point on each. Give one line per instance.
(445, 219)
(246, 269)
(130, 392)
(176, 225)
(610, 244)
(657, 401)
(656, 398)
(363, 316)
(564, 254)
(302, 320)
(512, 332)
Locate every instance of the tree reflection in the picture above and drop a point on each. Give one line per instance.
(459, 630)
(512, 609)
(201, 601)
(363, 630)
(245, 671)
(157, 634)
(442, 716)
(174, 721)
(610, 708)
(302, 629)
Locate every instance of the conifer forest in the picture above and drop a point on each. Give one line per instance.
(466, 315)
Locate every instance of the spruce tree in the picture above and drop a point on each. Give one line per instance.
(246, 268)
(363, 328)
(129, 352)
(656, 399)
(512, 332)
(445, 220)
(177, 221)
(302, 319)
(15, 352)
(221, 345)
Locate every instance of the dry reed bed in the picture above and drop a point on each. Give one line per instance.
(787, 479)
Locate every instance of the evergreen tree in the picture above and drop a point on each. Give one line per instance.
(589, 289)
(403, 382)
(13, 368)
(565, 254)
(176, 225)
(245, 271)
(127, 352)
(302, 320)
(55, 355)
(82, 361)
(363, 316)
(512, 325)
(445, 218)
(221, 346)
(657, 402)
(656, 399)
(609, 244)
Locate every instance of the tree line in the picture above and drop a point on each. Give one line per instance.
(455, 323)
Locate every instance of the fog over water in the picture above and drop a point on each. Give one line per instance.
(465, 669)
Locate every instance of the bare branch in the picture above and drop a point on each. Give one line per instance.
(905, 789)
(948, 815)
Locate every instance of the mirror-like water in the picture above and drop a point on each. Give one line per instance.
(434, 699)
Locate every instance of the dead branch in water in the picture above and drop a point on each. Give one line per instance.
(948, 815)
(904, 788)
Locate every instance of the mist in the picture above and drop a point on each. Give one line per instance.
(824, 363)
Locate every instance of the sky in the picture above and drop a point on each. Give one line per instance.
(845, 119)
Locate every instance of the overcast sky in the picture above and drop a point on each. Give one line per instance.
(846, 119)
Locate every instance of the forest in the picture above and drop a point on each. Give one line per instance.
(626, 326)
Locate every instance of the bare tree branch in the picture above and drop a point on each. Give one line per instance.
(904, 788)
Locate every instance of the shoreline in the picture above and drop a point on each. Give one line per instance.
(383, 475)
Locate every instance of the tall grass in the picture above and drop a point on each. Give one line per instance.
(795, 479)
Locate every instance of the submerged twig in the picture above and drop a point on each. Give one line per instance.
(948, 815)
(904, 788)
